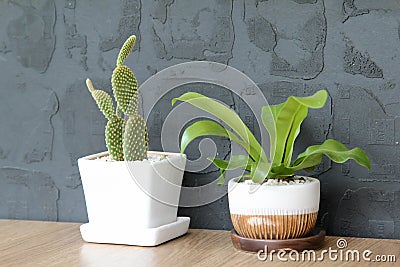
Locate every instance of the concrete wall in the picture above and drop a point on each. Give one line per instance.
(288, 47)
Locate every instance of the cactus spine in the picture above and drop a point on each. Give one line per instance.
(125, 140)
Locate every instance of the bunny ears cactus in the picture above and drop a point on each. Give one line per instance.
(125, 140)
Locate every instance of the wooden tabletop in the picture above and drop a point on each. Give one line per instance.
(32, 243)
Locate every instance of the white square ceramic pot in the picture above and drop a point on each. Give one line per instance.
(142, 194)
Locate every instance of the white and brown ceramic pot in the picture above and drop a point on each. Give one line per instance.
(273, 211)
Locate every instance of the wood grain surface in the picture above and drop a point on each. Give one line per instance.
(31, 243)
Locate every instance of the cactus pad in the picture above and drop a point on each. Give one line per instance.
(125, 89)
(136, 141)
(125, 50)
(114, 131)
(103, 100)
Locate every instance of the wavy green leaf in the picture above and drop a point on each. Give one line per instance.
(288, 120)
(268, 117)
(207, 128)
(333, 149)
(257, 173)
(299, 117)
(235, 162)
(280, 171)
(308, 162)
(222, 177)
(230, 118)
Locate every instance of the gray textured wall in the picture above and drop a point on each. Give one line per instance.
(289, 47)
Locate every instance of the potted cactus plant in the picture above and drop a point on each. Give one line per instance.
(269, 201)
(131, 194)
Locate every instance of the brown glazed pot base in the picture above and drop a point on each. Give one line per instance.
(314, 240)
(274, 226)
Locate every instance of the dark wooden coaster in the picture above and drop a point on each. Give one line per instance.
(314, 240)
